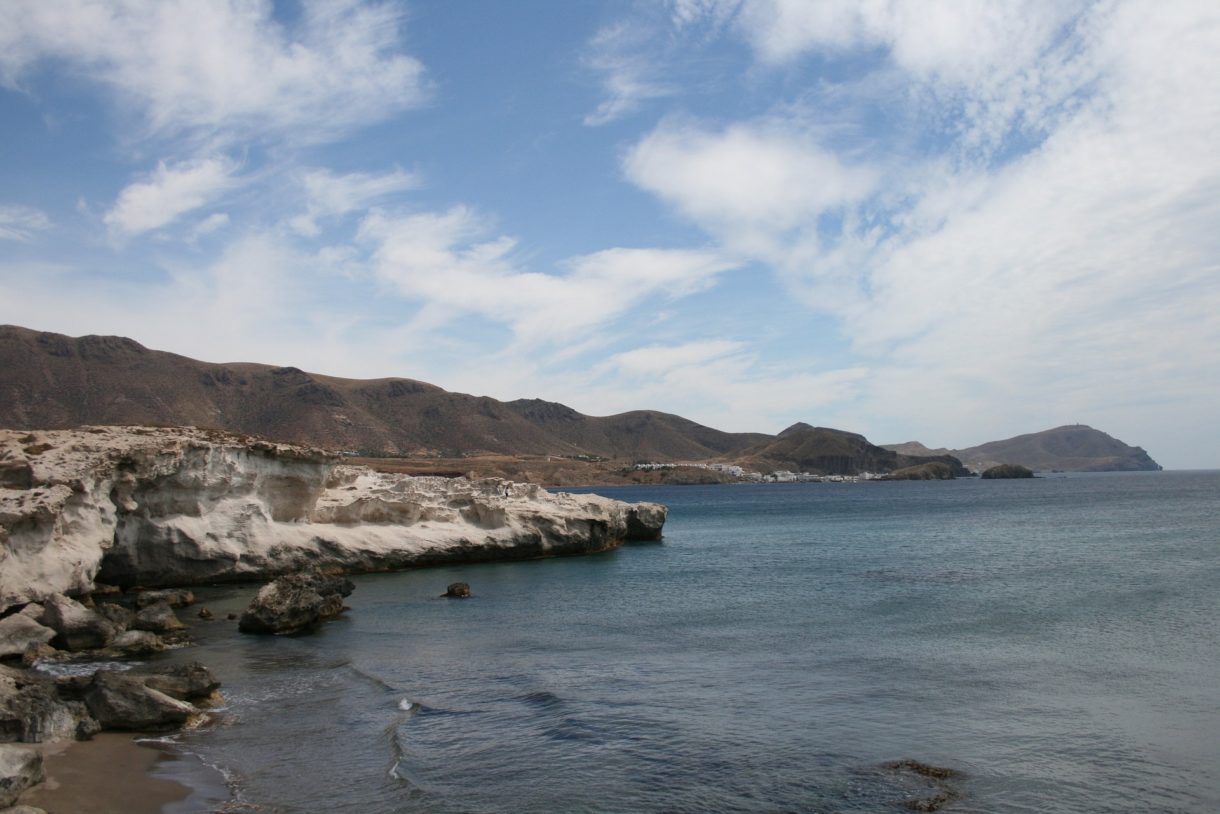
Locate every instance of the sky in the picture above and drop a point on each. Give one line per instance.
(942, 220)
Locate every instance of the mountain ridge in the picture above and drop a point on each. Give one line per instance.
(53, 381)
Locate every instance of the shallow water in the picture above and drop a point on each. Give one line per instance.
(1055, 641)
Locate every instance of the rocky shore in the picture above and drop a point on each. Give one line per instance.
(149, 506)
(92, 519)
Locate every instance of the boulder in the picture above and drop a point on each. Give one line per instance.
(32, 711)
(458, 590)
(122, 701)
(33, 610)
(186, 682)
(118, 615)
(77, 627)
(174, 597)
(23, 810)
(295, 602)
(20, 768)
(18, 632)
(205, 614)
(157, 618)
(131, 643)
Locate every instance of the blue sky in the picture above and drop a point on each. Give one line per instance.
(943, 221)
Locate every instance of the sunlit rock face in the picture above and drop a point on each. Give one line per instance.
(171, 506)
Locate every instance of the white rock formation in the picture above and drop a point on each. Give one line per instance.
(158, 506)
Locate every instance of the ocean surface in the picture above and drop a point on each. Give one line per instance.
(1055, 642)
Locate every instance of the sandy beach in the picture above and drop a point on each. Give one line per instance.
(111, 774)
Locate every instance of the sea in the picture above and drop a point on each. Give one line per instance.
(1053, 643)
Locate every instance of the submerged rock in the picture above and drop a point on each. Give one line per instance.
(941, 791)
(295, 602)
(174, 597)
(20, 768)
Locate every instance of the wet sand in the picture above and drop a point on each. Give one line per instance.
(111, 774)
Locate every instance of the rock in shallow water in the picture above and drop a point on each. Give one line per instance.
(295, 602)
(157, 618)
(174, 597)
(123, 701)
(458, 590)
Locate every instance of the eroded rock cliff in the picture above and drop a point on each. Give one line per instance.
(174, 506)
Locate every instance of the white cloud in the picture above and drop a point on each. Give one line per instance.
(448, 259)
(624, 55)
(654, 359)
(329, 195)
(170, 192)
(21, 222)
(212, 223)
(222, 69)
(1074, 277)
(721, 383)
(986, 69)
(753, 177)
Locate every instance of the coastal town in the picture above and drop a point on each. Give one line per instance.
(747, 476)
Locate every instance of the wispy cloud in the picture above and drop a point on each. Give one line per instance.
(222, 70)
(21, 222)
(624, 55)
(328, 195)
(168, 193)
(983, 286)
(452, 259)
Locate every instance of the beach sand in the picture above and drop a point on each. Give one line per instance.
(111, 774)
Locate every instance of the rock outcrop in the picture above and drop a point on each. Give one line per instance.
(177, 506)
(935, 470)
(295, 602)
(1006, 471)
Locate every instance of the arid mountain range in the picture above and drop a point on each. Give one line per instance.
(52, 381)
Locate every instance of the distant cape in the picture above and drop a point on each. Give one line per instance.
(1070, 448)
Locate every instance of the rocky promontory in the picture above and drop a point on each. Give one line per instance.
(155, 506)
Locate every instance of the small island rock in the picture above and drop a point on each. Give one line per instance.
(295, 602)
(1006, 471)
(458, 590)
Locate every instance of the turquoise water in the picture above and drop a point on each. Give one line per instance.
(1055, 641)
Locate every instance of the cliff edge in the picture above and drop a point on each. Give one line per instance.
(175, 506)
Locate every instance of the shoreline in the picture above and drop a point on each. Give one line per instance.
(122, 773)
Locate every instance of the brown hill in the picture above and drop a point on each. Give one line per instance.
(802, 448)
(51, 381)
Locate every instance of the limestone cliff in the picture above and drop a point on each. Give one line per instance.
(167, 506)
